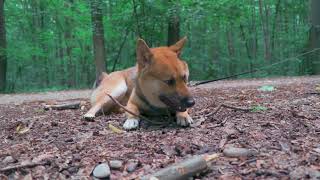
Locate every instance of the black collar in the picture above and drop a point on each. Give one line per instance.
(152, 110)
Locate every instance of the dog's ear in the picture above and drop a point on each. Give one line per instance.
(178, 46)
(144, 54)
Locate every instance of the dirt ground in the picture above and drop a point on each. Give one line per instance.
(283, 127)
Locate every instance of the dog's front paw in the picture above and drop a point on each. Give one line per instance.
(89, 117)
(131, 124)
(184, 119)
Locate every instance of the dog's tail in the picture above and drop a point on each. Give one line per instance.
(98, 81)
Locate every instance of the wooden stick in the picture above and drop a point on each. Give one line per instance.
(73, 105)
(132, 113)
(236, 108)
(183, 169)
(29, 165)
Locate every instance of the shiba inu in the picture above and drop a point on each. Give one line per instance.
(157, 83)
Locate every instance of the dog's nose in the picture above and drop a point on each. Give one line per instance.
(188, 102)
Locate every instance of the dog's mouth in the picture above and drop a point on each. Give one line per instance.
(173, 103)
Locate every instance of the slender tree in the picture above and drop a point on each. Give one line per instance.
(314, 36)
(98, 36)
(135, 13)
(231, 48)
(3, 46)
(173, 23)
(265, 27)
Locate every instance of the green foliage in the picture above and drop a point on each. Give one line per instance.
(50, 41)
(267, 88)
(258, 108)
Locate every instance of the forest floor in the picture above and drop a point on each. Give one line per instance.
(283, 127)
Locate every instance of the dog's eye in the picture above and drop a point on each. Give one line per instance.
(170, 82)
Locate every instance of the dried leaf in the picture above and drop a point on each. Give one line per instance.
(21, 129)
(115, 129)
(318, 87)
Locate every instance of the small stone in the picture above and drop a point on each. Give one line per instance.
(169, 150)
(8, 160)
(304, 173)
(66, 173)
(116, 164)
(68, 140)
(238, 152)
(77, 157)
(54, 124)
(73, 170)
(101, 171)
(132, 166)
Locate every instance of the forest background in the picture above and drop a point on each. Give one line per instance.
(65, 44)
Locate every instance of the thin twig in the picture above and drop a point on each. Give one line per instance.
(248, 161)
(29, 165)
(313, 93)
(215, 111)
(132, 113)
(236, 108)
(219, 124)
(227, 106)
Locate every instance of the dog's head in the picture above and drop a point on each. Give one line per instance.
(163, 76)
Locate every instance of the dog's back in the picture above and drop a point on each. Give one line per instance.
(119, 84)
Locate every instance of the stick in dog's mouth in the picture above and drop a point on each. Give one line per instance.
(173, 103)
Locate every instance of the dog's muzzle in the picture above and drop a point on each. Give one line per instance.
(177, 103)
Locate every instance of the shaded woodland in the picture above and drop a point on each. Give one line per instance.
(62, 44)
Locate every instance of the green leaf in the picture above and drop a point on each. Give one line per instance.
(267, 88)
(259, 108)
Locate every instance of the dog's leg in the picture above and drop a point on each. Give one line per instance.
(91, 114)
(183, 118)
(117, 88)
(132, 121)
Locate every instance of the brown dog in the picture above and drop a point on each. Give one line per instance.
(157, 83)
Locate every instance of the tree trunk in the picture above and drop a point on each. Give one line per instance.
(98, 36)
(173, 24)
(265, 27)
(253, 42)
(314, 36)
(275, 26)
(136, 18)
(245, 41)
(69, 45)
(231, 50)
(3, 46)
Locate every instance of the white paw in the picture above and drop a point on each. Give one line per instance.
(89, 117)
(131, 124)
(185, 120)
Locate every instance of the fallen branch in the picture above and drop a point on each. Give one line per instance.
(132, 113)
(29, 165)
(72, 105)
(184, 169)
